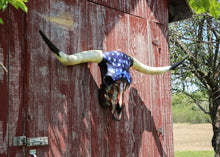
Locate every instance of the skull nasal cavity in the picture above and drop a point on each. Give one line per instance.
(108, 80)
(118, 108)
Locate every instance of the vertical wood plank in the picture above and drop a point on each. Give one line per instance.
(106, 3)
(99, 116)
(156, 105)
(114, 4)
(38, 79)
(141, 83)
(4, 92)
(13, 82)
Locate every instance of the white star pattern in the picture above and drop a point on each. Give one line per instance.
(118, 65)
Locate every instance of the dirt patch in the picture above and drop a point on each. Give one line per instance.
(194, 137)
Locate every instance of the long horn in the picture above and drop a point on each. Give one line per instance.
(153, 70)
(77, 58)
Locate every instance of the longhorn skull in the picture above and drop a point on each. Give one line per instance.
(114, 67)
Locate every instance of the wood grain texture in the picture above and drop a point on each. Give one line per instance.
(61, 102)
(4, 89)
(12, 85)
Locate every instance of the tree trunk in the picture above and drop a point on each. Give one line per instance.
(214, 101)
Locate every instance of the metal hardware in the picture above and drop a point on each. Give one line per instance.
(161, 130)
(159, 23)
(33, 152)
(35, 141)
(19, 141)
(156, 43)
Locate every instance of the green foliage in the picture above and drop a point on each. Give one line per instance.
(1, 21)
(19, 4)
(202, 6)
(185, 111)
(16, 3)
(194, 153)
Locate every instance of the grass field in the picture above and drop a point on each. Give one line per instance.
(189, 114)
(185, 111)
(194, 153)
(192, 132)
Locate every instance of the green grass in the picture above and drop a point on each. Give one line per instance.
(185, 111)
(194, 153)
(184, 114)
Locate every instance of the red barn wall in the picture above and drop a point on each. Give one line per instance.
(41, 97)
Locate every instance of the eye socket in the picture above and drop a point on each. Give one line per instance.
(108, 80)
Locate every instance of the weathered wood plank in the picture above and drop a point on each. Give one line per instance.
(105, 2)
(12, 87)
(156, 104)
(4, 92)
(140, 8)
(141, 83)
(39, 76)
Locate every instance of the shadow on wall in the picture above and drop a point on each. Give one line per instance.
(142, 121)
(92, 132)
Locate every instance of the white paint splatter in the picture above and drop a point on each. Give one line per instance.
(44, 71)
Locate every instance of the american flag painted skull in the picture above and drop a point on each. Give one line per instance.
(116, 79)
(114, 67)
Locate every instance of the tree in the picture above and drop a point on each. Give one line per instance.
(199, 39)
(202, 6)
(188, 110)
(16, 3)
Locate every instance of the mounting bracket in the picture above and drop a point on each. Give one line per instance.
(161, 130)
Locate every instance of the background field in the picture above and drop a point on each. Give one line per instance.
(192, 137)
(193, 140)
